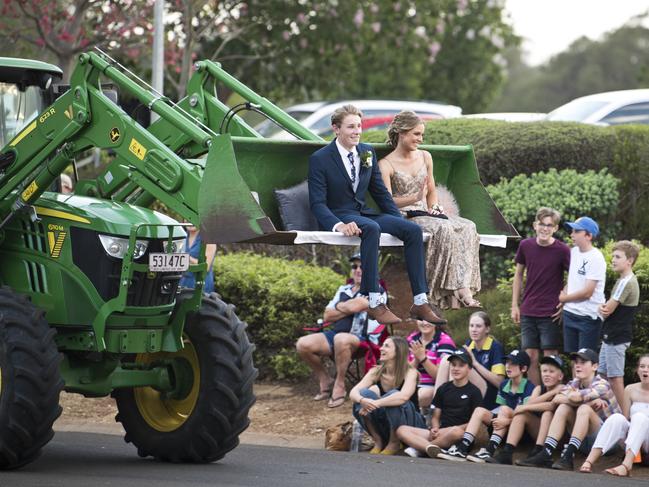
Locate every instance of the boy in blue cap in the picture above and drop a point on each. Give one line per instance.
(584, 292)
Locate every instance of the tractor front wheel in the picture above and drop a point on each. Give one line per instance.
(30, 380)
(208, 409)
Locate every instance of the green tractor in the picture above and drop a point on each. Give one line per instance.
(90, 299)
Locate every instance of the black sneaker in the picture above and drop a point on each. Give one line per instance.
(503, 457)
(564, 463)
(535, 449)
(481, 456)
(541, 459)
(454, 454)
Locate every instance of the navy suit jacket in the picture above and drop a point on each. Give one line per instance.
(331, 194)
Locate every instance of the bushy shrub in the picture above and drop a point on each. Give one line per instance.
(571, 193)
(276, 297)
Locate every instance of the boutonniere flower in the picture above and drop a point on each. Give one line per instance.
(366, 159)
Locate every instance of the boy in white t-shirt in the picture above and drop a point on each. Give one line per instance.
(584, 293)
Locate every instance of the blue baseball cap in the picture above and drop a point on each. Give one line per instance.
(583, 223)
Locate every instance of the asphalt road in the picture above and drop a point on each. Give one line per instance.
(86, 459)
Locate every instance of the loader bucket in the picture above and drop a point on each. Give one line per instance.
(245, 165)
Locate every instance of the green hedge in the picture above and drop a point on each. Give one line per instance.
(571, 193)
(506, 149)
(276, 297)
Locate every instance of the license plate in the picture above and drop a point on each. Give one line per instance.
(160, 262)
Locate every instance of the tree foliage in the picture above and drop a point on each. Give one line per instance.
(63, 28)
(616, 62)
(309, 49)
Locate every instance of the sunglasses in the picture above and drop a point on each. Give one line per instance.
(356, 266)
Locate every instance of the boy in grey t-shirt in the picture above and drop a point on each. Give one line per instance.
(618, 313)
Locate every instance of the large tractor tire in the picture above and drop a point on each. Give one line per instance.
(30, 380)
(204, 424)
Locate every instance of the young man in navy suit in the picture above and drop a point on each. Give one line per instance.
(340, 175)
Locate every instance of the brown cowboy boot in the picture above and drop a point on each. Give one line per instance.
(383, 315)
(426, 313)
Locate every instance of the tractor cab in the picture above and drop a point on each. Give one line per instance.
(25, 90)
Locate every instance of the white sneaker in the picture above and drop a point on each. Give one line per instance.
(413, 452)
(433, 451)
(480, 456)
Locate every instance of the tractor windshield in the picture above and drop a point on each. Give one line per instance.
(17, 108)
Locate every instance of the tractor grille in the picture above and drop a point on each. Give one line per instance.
(145, 289)
(33, 235)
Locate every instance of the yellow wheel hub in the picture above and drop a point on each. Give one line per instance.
(161, 413)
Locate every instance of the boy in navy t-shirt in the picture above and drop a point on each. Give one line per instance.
(512, 392)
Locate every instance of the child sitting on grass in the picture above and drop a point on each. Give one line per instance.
(534, 416)
(514, 391)
(454, 402)
(584, 403)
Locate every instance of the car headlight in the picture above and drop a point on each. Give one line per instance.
(116, 246)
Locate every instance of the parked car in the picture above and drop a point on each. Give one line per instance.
(316, 116)
(610, 108)
(510, 116)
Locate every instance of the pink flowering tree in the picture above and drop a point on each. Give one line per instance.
(58, 30)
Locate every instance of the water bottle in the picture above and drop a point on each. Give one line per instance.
(357, 435)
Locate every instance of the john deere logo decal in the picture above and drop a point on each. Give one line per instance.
(55, 237)
(114, 134)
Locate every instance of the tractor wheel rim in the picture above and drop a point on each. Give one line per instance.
(164, 414)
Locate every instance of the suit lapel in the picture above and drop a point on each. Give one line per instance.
(339, 162)
(364, 172)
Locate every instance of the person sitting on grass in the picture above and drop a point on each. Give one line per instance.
(429, 345)
(584, 403)
(454, 402)
(512, 392)
(534, 416)
(617, 428)
(488, 364)
(386, 398)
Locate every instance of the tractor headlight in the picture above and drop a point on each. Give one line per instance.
(177, 246)
(116, 246)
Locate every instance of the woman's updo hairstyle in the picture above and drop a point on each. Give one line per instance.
(403, 122)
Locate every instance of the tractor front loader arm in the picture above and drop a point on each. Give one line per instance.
(83, 118)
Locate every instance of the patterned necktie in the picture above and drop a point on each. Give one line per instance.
(350, 156)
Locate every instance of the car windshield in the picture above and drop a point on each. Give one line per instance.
(576, 111)
(18, 108)
(268, 128)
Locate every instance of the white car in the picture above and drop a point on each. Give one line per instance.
(510, 116)
(610, 108)
(316, 116)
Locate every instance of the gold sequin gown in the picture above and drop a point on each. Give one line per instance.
(452, 252)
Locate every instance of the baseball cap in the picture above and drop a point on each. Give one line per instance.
(554, 360)
(586, 354)
(518, 357)
(583, 223)
(463, 355)
(356, 256)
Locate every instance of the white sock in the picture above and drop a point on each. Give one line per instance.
(375, 299)
(420, 299)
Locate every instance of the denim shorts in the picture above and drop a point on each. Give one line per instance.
(540, 333)
(611, 359)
